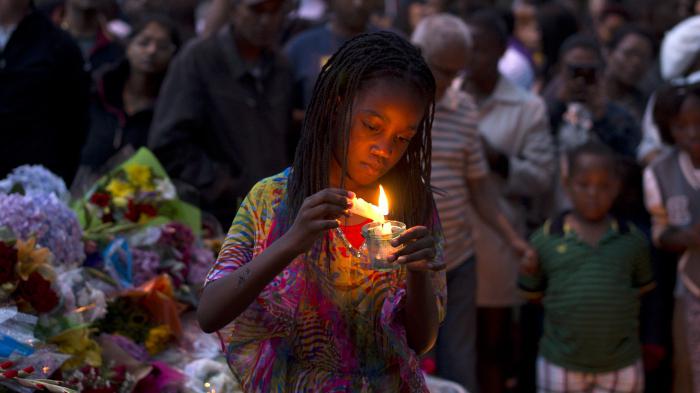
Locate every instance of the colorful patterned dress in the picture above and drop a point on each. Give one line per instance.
(323, 324)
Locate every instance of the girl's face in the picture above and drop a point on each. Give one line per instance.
(685, 128)
(151, 50)
(385, 118)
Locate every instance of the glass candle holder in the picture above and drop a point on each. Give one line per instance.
(378, 246)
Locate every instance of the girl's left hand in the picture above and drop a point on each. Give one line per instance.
(418, 251)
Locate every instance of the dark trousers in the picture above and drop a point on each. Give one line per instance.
(455, 350)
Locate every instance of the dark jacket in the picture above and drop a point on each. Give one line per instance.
(219, 126)
(111, 128)
(43, 98)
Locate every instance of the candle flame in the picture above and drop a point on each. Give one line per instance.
(383, 201)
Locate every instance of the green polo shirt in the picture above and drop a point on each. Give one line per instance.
(591, 295)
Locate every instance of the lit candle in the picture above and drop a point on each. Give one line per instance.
(384, 209)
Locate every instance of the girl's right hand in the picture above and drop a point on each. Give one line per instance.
(318, 213)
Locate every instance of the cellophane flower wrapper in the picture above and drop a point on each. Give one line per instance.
(16, 332)
(44, 363)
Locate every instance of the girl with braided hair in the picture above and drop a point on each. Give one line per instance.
(288, 295)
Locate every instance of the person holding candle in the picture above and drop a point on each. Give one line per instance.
(295, 306)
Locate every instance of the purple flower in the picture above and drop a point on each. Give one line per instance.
(45, 217)
(145, 265)
(137, 351)
(35, 180)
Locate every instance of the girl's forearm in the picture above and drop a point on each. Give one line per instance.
(421, 312)
(226, 298)
(677, 240)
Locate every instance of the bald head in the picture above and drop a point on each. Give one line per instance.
(445, 42)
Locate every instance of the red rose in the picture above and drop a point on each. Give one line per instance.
(148, 210)
(10, 373)
(100, 199)
(132, 213)
(37, 291)
(8, 260)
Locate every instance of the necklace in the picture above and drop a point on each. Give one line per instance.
(353, 251)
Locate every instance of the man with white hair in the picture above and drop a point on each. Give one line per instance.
(460, 174)
(680, 63)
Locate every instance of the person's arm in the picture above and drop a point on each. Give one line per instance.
(532, 279)
(666, 236)
(651, 144)
(421, 313)
(485, 198)
(531, 171)
(227, 297)
(680, 239)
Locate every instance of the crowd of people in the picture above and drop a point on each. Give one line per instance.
(563, 144)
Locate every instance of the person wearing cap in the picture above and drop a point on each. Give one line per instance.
(43, 92)
(223, 115)
(680, 64)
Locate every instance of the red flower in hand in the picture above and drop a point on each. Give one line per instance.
(100, 199)
(37, 291)
(8, 260)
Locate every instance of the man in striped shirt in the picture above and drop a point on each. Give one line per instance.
(459, 176)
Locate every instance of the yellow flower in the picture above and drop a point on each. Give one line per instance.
(77, 342)
(140, 175)
(30, 259)
(158, 339)
(119, 188)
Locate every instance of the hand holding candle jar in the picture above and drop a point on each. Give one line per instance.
(379, 233)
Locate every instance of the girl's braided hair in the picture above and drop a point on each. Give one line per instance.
(365, 58)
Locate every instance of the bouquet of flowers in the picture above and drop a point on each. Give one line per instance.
(148, 315)
(135, 194)
(172, 249)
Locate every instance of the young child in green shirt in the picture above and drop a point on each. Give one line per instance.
(591, 271)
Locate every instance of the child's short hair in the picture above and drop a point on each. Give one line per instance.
(669, 100)
(597, 149)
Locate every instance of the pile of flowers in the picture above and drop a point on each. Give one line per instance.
(99, 296)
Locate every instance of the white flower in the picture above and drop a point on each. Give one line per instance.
(166, 189)
(204, 375)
